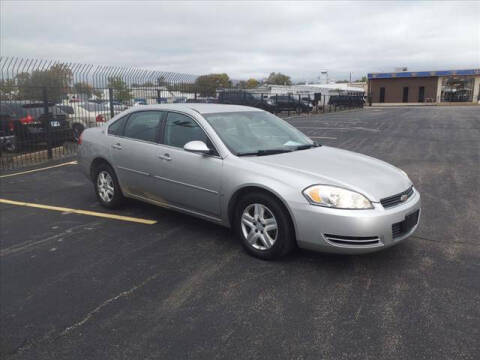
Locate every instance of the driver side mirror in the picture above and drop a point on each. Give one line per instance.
(198, 147)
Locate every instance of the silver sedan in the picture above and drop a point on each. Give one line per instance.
(247, 169)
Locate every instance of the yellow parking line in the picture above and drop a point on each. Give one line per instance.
(40, 169)
(81, 212)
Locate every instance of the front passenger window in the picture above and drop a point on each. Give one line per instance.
(143, 125)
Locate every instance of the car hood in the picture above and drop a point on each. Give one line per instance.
(326, 165)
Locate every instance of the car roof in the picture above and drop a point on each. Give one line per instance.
(202, 108)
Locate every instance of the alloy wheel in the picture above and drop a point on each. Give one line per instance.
(105, 186)
(259, 226)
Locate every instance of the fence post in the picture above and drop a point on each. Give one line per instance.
(110, 100)
(47, 122)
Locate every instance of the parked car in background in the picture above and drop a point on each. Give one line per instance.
(87, 114)
(25, 124)
(203, 100)
(139, 102)
(347, 100)
(242, 97)
(291, 103)
(179, 100)
(247, 169)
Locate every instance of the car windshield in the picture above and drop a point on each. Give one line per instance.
(257, 133)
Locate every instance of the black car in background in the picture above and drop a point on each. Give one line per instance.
(203, 100)
(241, 97)
(25, 124)
(291, 103)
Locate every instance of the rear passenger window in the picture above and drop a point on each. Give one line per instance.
(181, 129)
(117, 127)
(143, 125)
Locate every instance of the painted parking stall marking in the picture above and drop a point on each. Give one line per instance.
(80, 212)
(40, 169)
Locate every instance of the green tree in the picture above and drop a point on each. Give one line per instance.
(56, 80)
(83, 88)
(278, 79)
(207, 85)
(7, 88)
(121, 92)
(252, 83)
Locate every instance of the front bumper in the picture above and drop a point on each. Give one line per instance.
(352, 231)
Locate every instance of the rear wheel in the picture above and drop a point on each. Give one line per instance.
(107, 188)
(263, 226)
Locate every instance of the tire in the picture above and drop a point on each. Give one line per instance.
(264, 243)
(11, 146)
(106, 186)
(77, 130)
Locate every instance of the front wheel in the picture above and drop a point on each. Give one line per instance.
(263, 226)
(107, 188)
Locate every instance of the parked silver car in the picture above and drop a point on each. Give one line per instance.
(247, 169)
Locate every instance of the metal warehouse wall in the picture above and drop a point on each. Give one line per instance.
(394, 88)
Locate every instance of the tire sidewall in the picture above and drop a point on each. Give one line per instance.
(285, 238)
(117, 193)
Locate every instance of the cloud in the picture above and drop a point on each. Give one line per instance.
(247, 38)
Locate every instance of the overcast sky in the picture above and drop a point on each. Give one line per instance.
(247, 38)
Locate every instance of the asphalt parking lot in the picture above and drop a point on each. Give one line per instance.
(85, 287)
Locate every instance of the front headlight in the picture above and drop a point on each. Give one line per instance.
(335, 197)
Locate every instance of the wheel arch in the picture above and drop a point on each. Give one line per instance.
(95, 163)
(237, 195)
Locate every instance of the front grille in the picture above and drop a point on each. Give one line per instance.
(403, 227)
(352, 240)
(396, 199)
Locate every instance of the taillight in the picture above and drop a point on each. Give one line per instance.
(80, 139)
(11, 126)
(27, 120)
(99, 118)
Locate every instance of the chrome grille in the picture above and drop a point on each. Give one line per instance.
(396, 199)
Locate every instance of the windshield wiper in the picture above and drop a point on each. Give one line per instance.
(307, 146)
(265, 152)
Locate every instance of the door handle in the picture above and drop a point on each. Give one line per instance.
(165, 157)
(117, 146)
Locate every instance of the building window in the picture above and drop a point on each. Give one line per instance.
(405, 94)
(382, 94)
(421, 94)
(457, 89)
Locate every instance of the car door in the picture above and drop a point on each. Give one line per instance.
(134, 152)
(188, 180)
